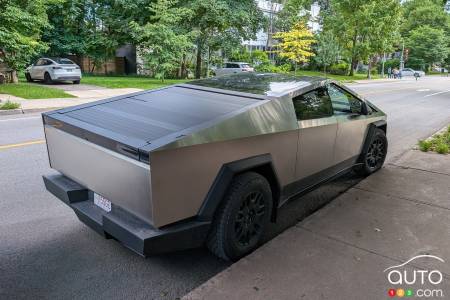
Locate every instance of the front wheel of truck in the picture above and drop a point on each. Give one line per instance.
(242, 217)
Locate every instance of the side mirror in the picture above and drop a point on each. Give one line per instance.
(359, 108)
(365, 109)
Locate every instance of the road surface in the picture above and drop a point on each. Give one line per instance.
(45, 252)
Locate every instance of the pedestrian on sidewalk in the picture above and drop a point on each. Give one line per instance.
(395, 73)
(389, 71)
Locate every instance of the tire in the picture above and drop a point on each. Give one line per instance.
(47, 79)
(76, 82)
(242, 217)
(28, 77)
(375, 153)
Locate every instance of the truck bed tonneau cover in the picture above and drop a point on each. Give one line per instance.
(126, 123)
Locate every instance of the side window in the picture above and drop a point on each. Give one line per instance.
(313, 105)
(48, 62)
(40, 62)
(343, 102)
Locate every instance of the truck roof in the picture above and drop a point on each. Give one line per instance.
(269, 84)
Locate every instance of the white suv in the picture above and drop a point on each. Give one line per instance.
(54, 69)
(234, 67)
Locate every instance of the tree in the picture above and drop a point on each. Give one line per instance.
(428, 44)
(364, 28)
(213, 18)
(21, 25)
(161, 43)
(327, 50)
(418, 13)
(295, 45)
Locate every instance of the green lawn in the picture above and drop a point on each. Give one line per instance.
(32, 91)
(139, 82)
(343, 78)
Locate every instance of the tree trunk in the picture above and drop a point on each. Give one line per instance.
(368, 69)
(183, 67)
(352, 65)
(14, 77)
(325, 70)
(198, 66)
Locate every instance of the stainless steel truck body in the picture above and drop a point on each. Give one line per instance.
(156, 169)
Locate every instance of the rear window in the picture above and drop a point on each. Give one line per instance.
(245, 66)
(63, 61)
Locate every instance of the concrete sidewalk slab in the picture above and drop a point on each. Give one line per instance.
(428, 161)
(411, 184)
(389, 226)
(300, 264)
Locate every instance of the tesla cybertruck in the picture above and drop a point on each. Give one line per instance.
(208, 162)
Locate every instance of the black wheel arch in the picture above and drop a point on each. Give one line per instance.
(261, 164)
(381, 124)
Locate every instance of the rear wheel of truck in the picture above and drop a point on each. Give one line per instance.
(242, 217)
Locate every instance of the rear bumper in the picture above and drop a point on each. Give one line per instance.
(66, 77)
(119, 224)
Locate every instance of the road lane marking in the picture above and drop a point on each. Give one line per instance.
(3, 147)
(436, 93)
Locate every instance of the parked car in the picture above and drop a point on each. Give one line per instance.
(210, 161)
(54, 69)
(233, 68)
(440, 69)
(411, 72)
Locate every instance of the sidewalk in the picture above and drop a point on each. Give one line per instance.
(341, 251)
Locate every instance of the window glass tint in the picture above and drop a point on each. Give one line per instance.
(40, 62)
(47, 62)
(343, 102)
(313, 105)
(64, 61)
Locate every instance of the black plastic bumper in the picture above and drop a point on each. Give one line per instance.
(119, 224)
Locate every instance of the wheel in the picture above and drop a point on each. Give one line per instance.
(375, 154)
(47, 78)
(242, 217)
(28, 77)
(76, 82)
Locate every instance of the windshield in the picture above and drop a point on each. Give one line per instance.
(246, 66)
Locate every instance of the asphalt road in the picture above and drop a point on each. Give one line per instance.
(45, 252)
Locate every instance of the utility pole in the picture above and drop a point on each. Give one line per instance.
(382, 65)
(402, 62)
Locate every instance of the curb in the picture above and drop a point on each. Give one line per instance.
(19, 111)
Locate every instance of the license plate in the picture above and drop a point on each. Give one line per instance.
(69, 70)
(102, 202)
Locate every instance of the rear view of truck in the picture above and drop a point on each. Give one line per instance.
(110, 159)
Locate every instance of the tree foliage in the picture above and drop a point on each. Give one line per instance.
(160, 40)
(428, 44)
(364, 27)
(327, 50)
(21, 26)
(295, 45)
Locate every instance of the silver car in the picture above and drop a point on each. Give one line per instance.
(210, 161)
(233, 68)
(53, 69)
(411, 72)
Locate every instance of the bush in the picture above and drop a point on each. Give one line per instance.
(442, 148)
(425, 145)
(9, 105)
(271, 68)
(339, 69)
